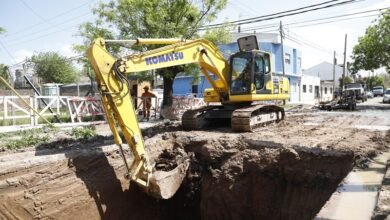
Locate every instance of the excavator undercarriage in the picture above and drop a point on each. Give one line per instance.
(242, 118)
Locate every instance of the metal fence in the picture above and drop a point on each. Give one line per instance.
(79, 108)
(12, 108)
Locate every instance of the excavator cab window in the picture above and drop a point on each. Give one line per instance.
(241, 75)
(259, 72)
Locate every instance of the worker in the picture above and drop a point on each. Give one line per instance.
(147, 102)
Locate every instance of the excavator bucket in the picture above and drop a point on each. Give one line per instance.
(164, 184)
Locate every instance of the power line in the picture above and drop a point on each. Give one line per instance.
(309, 42)
(6, 50)
(327, 22)
(338, 16)
(25, 29)
(39, 16)
(320, 19)
(273, 14)
(281, 14)
(22, 37)
(38, 37)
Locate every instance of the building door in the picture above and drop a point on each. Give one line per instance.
(195, 90)
(316, 92)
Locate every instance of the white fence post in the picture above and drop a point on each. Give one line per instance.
(31, 111)
(5, 107)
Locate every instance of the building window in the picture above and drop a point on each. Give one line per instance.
(310, 88)
(331, 90)
(299, 62)
(304, 88)
(326, 90)
(287, 58)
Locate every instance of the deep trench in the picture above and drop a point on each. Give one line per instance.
(233, 179)
(231, 176)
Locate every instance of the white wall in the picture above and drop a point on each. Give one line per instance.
(326, 91)
(307, 89)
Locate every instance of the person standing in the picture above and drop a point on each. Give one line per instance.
(147, 102)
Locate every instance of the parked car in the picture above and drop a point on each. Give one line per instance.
(378, 90)
(370, 94)
(386, 97)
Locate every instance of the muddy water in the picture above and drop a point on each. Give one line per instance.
(356, 198)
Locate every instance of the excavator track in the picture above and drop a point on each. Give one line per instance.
(194, 119)
(248, 118)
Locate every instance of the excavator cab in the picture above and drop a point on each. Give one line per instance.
(250, 68)
(249, 72)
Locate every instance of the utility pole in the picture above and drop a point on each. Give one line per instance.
(345, 57)
(281, 42)
(334, 71)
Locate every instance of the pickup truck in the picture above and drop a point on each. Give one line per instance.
(358, 90)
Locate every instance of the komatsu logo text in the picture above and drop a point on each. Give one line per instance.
(164, 58)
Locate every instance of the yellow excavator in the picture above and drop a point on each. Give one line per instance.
(242, 85)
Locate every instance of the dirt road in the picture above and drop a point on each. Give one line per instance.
(286, 170)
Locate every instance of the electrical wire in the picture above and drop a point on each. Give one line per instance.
(281, 14)
(22, 38)
(7, 51)
(313, 20)
(39, 16)
(51, 18)
(327, 22)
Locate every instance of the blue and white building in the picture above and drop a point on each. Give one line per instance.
(268, 42)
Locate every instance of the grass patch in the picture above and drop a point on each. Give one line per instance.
(26, 138)
(27, 141)
(83, 133)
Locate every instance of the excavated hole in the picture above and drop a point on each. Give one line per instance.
(236, 178)
(230, 177)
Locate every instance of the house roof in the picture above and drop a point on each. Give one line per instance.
(324, 70)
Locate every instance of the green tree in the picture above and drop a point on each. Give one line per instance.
(155, 19)
(54, 68)
(346, 80)
(217, 36)
(373, 49)
(2, 30)
(5, 74)
(375, 81)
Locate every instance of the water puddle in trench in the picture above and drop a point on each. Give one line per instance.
(356, 198)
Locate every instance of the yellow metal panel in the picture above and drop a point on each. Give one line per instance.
(118, 104)
(258, 97)
(184, 53)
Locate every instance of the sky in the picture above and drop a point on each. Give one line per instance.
(35, 26)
